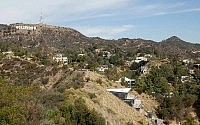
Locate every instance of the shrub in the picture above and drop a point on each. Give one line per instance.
(99, 81)
(92, 95)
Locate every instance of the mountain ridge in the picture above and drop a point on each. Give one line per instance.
(62, 38)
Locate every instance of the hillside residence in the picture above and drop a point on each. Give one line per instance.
(148, 55)
(197, 66)
(106, 54)
(60, 58)
(81, 54)
(185, 79)
(187, 61)
(102, 68)
(191, 71)
(130, 82)
(124, 94)
(137, 104)
(139, 59)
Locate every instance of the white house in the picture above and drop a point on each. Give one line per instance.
(185, 79)
(65, 60)
(187, 61)
(191, 71)
(102, 68)
(60, 58)
(139, 59)
(124, 94)
(130, 82)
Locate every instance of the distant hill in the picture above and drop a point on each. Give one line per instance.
(61, 38)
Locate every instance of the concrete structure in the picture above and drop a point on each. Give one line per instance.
(157, 121)
(137, 104)
(124, 94)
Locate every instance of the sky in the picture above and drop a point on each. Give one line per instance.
(111, 19)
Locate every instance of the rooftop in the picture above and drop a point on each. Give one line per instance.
(121, 90)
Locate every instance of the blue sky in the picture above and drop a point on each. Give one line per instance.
(112, 19)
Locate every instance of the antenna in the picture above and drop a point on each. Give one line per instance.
(41, 17)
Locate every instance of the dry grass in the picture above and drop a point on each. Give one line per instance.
(114, 110)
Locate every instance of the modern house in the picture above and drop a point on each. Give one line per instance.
(60, 58)
(139, 59)
(124, 94)
(129, 82)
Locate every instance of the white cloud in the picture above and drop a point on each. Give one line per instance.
(160, 9)
(58, 10)
(107, 32)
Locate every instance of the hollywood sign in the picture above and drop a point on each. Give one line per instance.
(26, 27)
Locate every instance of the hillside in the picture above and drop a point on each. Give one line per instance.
(56, 75)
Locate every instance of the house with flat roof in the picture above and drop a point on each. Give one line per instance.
(124, 94)
(129, 82)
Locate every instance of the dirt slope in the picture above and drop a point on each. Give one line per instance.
(114, 110)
